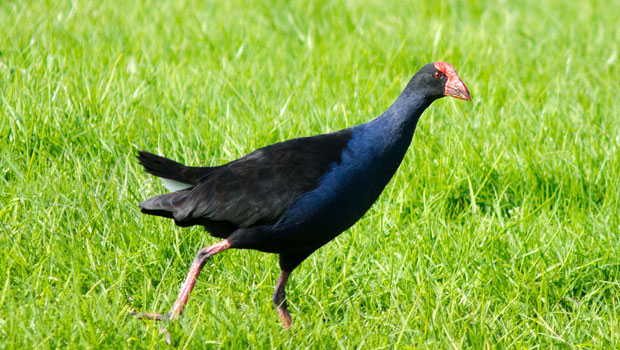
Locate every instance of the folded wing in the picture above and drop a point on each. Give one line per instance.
(253, 190)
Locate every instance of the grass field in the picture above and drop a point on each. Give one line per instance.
(500, 229)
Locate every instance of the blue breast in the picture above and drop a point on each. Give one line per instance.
(350, 187)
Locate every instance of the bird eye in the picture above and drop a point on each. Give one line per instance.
(438, 74)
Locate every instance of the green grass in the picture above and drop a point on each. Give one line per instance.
(500, 230)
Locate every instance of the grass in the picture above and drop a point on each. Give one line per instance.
(500, 230)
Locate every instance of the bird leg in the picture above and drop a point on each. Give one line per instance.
(201, 258)
(279, 299)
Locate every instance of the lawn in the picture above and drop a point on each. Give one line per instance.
(501, 229)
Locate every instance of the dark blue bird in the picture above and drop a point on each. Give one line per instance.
(292, 197)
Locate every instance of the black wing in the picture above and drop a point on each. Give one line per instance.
(255, 189)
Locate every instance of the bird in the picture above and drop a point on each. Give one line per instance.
(291, 198)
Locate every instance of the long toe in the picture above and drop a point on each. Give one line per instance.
(148, 315)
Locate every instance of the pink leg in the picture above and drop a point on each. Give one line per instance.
(201, 258)
(279, 299)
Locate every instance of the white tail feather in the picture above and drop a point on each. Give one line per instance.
(174, 186)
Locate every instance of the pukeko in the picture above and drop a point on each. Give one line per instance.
(292, 197)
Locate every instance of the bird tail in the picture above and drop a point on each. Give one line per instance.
(175, 176)
(178, 178)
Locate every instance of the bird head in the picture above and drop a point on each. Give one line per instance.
(439, 79)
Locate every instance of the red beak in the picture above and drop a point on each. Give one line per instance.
(454, 85)
(456, 88)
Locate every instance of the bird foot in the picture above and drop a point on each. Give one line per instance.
(149, 315)
(156, 317)
(285, 316)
